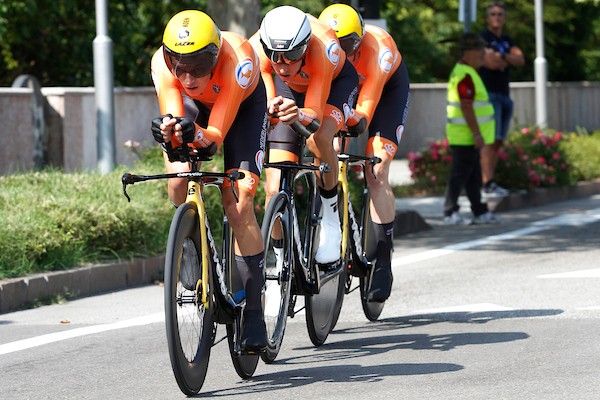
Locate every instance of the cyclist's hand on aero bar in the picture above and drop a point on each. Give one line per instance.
(356, 123)
(283, 109)
(187, 129)
(162, 128)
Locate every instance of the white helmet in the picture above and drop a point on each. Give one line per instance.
(285, 32)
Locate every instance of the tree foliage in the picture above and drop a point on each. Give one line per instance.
(53, 39)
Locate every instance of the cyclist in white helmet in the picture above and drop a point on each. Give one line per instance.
(308, 80)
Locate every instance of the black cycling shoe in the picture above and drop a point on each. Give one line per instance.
(381, 284)
(254, 332)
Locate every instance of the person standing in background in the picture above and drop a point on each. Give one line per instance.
(469, 126)
(501, 54)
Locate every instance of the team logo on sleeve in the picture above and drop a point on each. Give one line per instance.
(243, 72)
(386, 60)
(333, 52)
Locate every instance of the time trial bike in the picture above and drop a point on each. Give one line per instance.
(290, 228)
(202, 284)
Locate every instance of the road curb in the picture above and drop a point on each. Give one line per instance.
(540, 196)
(19, 293)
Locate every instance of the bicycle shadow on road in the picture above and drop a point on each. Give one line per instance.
(349, 373)
(373, 345)
(466, 317)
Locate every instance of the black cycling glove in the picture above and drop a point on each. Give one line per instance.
(188, 129)
(156, 122)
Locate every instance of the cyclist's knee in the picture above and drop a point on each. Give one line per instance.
(239, 212)
(177, 190)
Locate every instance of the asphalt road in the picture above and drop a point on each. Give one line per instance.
(478, 312)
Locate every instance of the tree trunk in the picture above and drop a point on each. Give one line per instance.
(240, 16)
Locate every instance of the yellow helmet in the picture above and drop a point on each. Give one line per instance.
(347, 24)
(191, 43)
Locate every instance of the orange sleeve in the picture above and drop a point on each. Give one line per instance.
(265, 66)
(237, 75)
(379, 59)
(324, 59)
(166, 86)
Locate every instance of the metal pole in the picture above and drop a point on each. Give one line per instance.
(104, 84)
(541, 78)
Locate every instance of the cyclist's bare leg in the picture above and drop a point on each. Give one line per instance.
(383, 212)
(321, 145)
(249, 259)
(330, 238)
(383, 209)
(176, 187)
(271, 188)
(243, 222)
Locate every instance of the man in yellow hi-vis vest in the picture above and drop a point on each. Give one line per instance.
(470, 124)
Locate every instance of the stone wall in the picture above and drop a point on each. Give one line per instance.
(70, 115)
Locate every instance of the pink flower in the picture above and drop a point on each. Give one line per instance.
(525, 131)
(556, 156)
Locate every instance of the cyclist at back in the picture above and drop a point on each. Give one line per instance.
(307, 80)
(383, 100)
(212, 79)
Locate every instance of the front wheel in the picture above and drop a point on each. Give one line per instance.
(188, 322)
(277, 267)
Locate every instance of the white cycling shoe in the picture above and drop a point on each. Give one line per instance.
(330, 236)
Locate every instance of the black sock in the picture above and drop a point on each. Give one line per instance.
(328, 194)
(251, 273)
(384, 238)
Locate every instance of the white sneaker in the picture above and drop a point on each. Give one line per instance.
(330, 236)
(454, 219)
(486, 218)
(494, 191)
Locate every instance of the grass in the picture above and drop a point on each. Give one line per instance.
(53, 220)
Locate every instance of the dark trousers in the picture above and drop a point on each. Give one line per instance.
(465, 173)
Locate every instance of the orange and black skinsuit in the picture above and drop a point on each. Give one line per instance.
(384, 94)
(325, 83)
(232, 109)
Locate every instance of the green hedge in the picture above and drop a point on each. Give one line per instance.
(530, 158)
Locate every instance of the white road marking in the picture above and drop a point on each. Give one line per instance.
(429, 254)
(88, 330)
(567, 219)
(578, 219)
(587, 273)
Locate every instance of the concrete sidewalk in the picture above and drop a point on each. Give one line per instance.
(412, 214)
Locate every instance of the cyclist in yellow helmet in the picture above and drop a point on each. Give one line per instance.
(383, 99)
(212, 79)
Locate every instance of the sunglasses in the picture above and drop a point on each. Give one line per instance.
(350, 43)
(287, 57)
(198, 64)
(199, 72)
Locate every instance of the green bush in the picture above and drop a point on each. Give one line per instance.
(53, 220)
(582, 153)
(530, 158)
